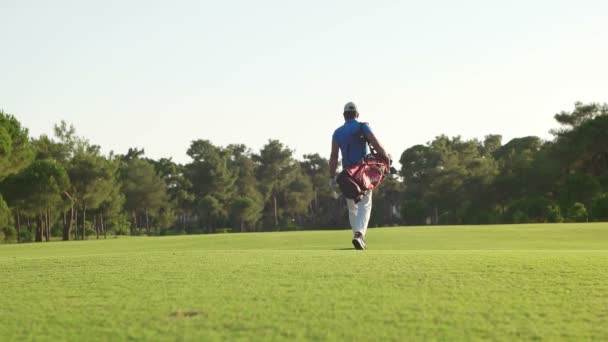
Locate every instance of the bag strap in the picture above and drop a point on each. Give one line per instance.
(363, 137)
(359, 136)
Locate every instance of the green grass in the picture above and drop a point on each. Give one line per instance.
(442, 283)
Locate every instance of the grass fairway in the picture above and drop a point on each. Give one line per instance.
(442, 283)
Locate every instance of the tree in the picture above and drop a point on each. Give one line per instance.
(517, 166)
(447, 178)
(92, 175)
(179, 188)
(15, 154)
(111, 215)
(247, 203)
(576, 187)
(145, 192)
(93, 182)
(71, 142)
(419, 166)
(15, 150)
(387, 202)
(211, 211)
(275, 170)
(296, 197)
(579, 154)
(581, 114)
(245, 211)
(325, 209)
(212, 181)
(5, 213)
(583, 148)
(47, 148)
(38, 191)
(491, 144)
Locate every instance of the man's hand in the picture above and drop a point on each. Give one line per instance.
(379, 148)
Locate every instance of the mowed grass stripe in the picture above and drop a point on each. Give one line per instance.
(572, 236)
(280, 286)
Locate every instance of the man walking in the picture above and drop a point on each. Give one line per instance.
(353, 149)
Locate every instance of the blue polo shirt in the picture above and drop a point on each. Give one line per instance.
(351, 148)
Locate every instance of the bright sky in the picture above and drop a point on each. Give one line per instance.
(159, 74)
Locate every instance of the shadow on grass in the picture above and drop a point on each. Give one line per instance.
(186, 314)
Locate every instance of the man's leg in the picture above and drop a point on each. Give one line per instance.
(358, 215)
(364, 210)
(353, 210)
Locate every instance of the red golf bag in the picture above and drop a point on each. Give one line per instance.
(357, 180)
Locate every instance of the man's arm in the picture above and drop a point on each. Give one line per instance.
(333, 159)
(379, 148)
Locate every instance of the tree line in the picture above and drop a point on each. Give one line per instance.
(62, 186)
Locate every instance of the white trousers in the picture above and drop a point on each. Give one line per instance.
(358, 213)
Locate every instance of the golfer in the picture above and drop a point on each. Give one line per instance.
(353, 150)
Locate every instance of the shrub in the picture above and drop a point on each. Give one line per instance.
(599, 210)
(10, 234)
(578, 213)
(554, 214)
(89, 231)
(528, 210)
(57, 230)
(119, 224)
(26, 236)
(414, 212)
(520, 217)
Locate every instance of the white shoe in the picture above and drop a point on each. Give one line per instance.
(359, 241)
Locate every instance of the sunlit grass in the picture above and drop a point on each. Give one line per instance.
(492, 282)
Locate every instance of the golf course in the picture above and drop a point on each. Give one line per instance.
(524, 282)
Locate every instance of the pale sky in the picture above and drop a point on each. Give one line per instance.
(159, 74)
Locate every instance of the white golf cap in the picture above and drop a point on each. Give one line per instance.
(350, 107)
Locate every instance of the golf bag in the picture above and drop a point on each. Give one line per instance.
(357, 180)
